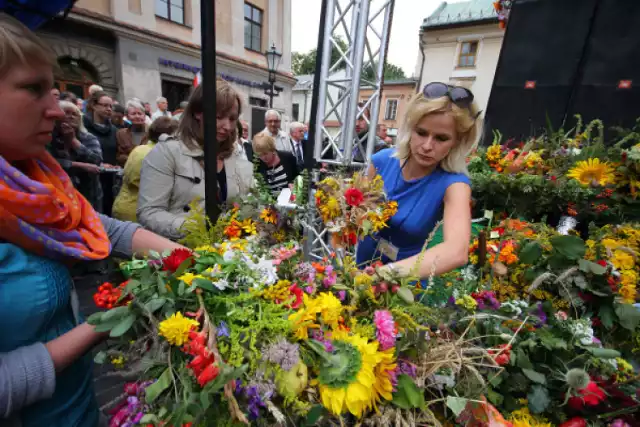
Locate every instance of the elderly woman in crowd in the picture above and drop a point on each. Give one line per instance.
(124, 208)
(427, 173)
(278, 167)
(173, 173)
(129, 138)
(46, 226)
(79, 154)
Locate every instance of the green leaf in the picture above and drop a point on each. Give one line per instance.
(405, 294)
(156, 389)
(366, 226)
(538, 399)
(530, 253)
(607, 316)
(122, 327)
(155, 304)
(314, 415)
(204, 284)
(571, 247)
(162, 286)
(131, 284)
(534, 376)
(456, 404)
(107, 326)
(494, 397)
(100, 357)
(115, 313)
(629, 316)
(591, 267)
(181, 286)
(523, 360)
(407, 395)
(184, 266)
(149, 418)
(204, 400)
(95, 318)
(603, 353)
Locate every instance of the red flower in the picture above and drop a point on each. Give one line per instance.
(298, 293)
(602, 262)
(208, 374)
(575, 422)
(591, 395)
(177, 257)
(350, 238)
(353, 196)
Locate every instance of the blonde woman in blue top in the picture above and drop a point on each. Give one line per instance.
(427, 175)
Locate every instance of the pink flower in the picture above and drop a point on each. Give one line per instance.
(385, 329)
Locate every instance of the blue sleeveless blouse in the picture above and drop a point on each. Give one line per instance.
(420, 207)
(35, 307)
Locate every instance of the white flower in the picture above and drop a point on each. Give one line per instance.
(468, 273)
(561, 316)
(221, 284)
(266, 270)
(229, 256)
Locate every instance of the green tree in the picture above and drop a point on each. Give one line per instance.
(391, 72)
(305, 63)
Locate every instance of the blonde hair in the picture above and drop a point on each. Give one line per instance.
(20, 46)
(263, 143)
(70, 105)
(466, 124)
(189, 129)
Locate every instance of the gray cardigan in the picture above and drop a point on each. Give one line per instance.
(27, 374)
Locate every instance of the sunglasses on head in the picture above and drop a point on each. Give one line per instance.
(460, 96)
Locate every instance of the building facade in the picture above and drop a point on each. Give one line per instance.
(396, 95)
(151, 48)
(460, 44)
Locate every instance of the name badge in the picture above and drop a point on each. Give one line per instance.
(388, 249)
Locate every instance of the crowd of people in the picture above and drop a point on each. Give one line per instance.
(60, 164)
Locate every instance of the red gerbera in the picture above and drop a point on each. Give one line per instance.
(177, 257)
(353, 196)
(298, 293)
(591, 395)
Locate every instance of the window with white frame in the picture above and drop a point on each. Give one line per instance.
(173, 10)
(391, 109)
(468, 55)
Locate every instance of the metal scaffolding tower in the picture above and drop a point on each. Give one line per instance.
(365, 26)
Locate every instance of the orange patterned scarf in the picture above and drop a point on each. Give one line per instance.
(41, 212)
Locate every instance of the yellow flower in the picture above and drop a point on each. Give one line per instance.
(268, 215)
(330, 209)
(249, 226)
(592, 171)
(383, 385)
(622, 260)
(377, 222)
(494, 153)
(628, 293)
(279, 235)
(361, 387)
(610, 243)
(326, 305)
(206, 249)
(176, 328)
(188, 278)
(467, 302)
(117, 362)
(523, 418)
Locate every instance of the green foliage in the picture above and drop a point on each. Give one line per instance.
(407, 394)
(391, 72)
(305, 63)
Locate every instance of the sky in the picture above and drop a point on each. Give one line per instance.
(403, 44)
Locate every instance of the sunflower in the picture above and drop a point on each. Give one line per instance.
(592, 171)
(349, 379)
(384, 369)
(268, 215)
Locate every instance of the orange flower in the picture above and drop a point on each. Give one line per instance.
(233, 230)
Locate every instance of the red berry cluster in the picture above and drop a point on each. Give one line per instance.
(599, 208)
(605, 194)
(203, 364)
(383, 288)
(502, 354)
(109, 296)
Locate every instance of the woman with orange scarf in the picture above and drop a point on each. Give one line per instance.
(45, 227)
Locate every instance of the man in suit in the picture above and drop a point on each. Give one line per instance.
(273, 121)
(296, 133)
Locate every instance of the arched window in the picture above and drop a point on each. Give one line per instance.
(75, 76)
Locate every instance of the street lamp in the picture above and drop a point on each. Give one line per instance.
(273, 61)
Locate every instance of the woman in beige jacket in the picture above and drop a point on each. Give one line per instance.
(173, 172)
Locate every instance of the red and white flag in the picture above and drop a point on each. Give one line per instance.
(197, 79)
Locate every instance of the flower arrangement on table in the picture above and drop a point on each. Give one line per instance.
(538, 330)
(572, 174)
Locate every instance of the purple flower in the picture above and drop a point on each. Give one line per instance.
(540, 314)
(255, 402)
(342, 295)
(309, 289)
(223, 329)
(407, 368)
(283, 353)
(138, 417)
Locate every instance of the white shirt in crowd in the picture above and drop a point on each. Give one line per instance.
(282, 140)
(160, 113)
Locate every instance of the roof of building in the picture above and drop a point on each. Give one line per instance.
(463, 13)
(305, 82)
(410, 81)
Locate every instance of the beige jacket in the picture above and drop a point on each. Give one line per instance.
(172, 177)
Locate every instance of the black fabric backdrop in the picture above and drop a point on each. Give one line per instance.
(577, 52)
